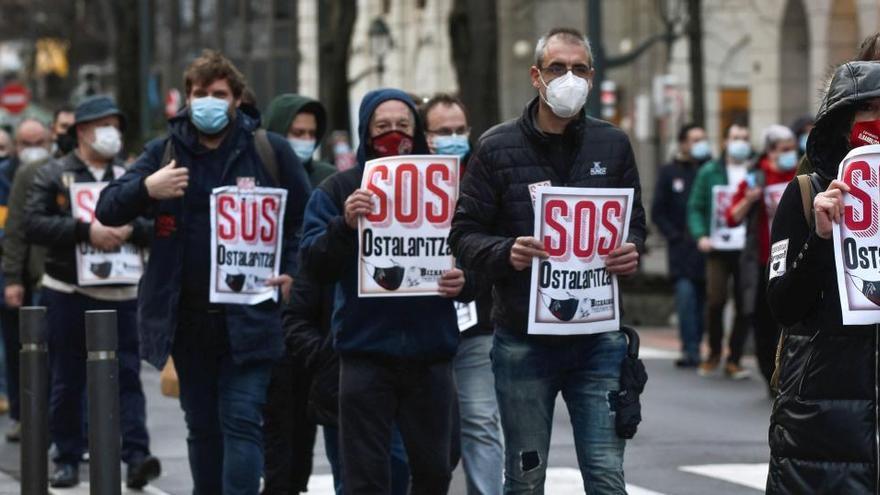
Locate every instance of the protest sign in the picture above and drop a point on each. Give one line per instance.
(403, 248)
(571, 292)
(247, 229)
(772, 195)
(94, 266)
(467, 315)
(856, 243)
(725, 238)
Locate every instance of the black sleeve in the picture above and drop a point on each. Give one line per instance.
(638, 231)
(45, 224)
(142, 232)
(794, 293)
(328, 246)
(305, 335)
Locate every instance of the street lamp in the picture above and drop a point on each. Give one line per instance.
(380, 44)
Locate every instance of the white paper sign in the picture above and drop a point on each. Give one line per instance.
(403, 248)
(94, 266)
(571, 292)
(247, 229)
(725, 238)
(467, 315)
(772, 195)
(856, 239)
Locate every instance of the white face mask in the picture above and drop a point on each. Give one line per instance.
(566, 95)
(33, 154)
(108, 141)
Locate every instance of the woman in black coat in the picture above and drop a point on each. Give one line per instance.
(824, 431)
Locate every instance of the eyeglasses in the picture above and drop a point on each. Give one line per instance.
(558, 70)
(448, 131)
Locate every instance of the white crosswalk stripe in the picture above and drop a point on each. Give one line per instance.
(750, 475)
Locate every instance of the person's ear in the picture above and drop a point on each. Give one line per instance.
(535, 75)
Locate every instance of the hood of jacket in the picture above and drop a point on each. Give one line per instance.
(186, 135)
(853, 83)
(284, 108)
(369, 104)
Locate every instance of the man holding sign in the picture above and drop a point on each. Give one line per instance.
(378, 231)
(89, 266)
(554, 143)
(227, 202)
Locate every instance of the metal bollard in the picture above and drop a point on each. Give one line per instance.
(34, 369)
(103, 383)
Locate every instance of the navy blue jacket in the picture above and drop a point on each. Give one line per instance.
(254, 331)
(669, 214)
(417, 328)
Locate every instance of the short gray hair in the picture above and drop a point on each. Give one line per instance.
(569, 35)
(775, 134)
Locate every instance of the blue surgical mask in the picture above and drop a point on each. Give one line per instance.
(701, 150)
(303, 148)
(739, 150)
(802, 142)
(210, 115)
(787, 161)
(456, 144)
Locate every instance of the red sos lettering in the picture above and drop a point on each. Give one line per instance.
(586, 218)
(410, 190)
(249, 219)
(865, 222)
(85, 201)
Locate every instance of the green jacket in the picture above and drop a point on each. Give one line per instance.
(699, 208)
(282, 110)
(22, 262)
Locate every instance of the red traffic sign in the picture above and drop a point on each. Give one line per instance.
(172, 102)
(14, 98)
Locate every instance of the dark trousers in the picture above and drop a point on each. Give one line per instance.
(766, 330)
(65, 315)
(419, 397)
(12, 344)
(223, 405)
(289, 435)
(720, 268)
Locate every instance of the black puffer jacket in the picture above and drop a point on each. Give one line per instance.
(495, 206)
(48, 218)
(824, 426)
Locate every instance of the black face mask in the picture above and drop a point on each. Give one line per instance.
(870, 289)
(389, 278)
(101, 270)
(235, 282)
(562, 309)
(65, 143)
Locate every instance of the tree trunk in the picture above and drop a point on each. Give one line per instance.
(695, 43)
(336, 20)
(473, 29)
(126, 55)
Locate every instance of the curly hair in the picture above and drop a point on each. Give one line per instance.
(212, 66)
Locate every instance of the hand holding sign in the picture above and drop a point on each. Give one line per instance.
(358, 204)
(623, 260)
(168, 182)
(828, 208)
(451, 283)
(524, 250)
(284, 281)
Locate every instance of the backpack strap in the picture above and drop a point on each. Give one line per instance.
(168, 154)
(267, 154)
(807, 185)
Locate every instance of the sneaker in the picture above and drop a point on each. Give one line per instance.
(142, 471)
(686, 362)
(64, 476)
(736, 372)
(708, 366)
(13, 434)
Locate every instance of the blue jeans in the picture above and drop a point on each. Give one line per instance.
(482, 451)
(690, 303)
(65, 321)
(529, 373)
(223, 404)
(399, 462)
